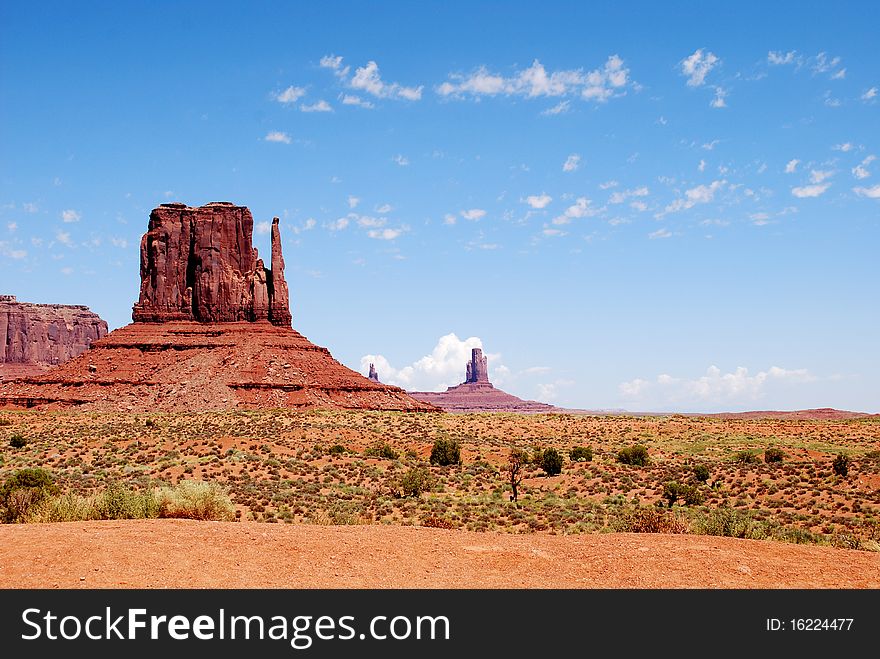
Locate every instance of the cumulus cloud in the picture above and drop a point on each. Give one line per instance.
(353, 201)
(571, 163)
(401, 160)
(443, 367)
(718, 101)
(580, 208)
(348, 99)
(367, 79)
(714, 388)
(778, 58)
(535, 81)
(697, 66)
(872, 193)
(818, 175)
(791, 167)
(860, 171)
(277, 136)
(384, 234)
(290, 95)
(318, 106)
(334, 63)
(539, 201)
(810, 190)
(701, 194)
(473, 214)
(70, 215)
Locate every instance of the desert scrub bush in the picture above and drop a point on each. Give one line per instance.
(840, 465)
(745, 458)
(636, 455)
(551, 462)
(382, 450)
(773, 454)
(435, 522)
(701, 473)
(728, 522)
(644, 519)
(337, 449)
(690, 494)
(24, 489)
(445, 452)
(414, 482)
(581, 454)
(17, 441)
(195, 500)
(119, 502)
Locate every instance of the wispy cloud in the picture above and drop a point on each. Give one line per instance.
(701, 194)
(791, 167)
(290, 95)
(870, 94)
(571, 163)
(779, 58)
(318, 106)
(277, 136)
(871, 193)
(349, 99)
(860, 171)
(70, 215)
(473, 214)
(581, 208)
(659, 234)
(401, 160)
(807, 191)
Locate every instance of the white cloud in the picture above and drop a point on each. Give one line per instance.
(70, 215)
(759, 219)
(473, 214)
(539, 201)
(334, 62)
(701, 194)
(791, 167)
(622, 195)
(449, 218)
(29, 207)
(549, 231)
(348, 99)
(818, 175)
(339, 224)
(367, 79)
(121, 243)
(63, 237)
(608, 184)
(777, 58)
(810, 190)
(846, 146)
(660, 233)
(290, 95)
(308, 225)
(822, 64)
(872, 193)
(640, 206)
(384, 234)
(401, 160)
(571, 163)
(860, 171)
(263, 228)
(708, 146)
(12, 226)
(277, 136)
(697, 66)
(840, 75)
(560, 108)
(318, 106)
(384, 208)
(718, 101)
(353, 201)
(713, 388)
(702, 166)
(869, 95)
(443, 367)
(581, 208)
(597, 85)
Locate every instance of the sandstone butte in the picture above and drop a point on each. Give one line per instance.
(35, 337)
(211, 331)
(477, 394)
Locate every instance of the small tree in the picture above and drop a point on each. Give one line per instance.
(17, 441)
(516, 461)
(551, 462)
(773, 454)
(581, 453)
(633, 455)
(701, 473)
(445, 452)
(840, 466)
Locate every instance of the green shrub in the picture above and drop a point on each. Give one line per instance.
(382, 450)
(537, 456)
(840, 466)
(551, 461)
(119, 502)
(701, 473)
(633, 455)
(745, 457)
(337, 449)
(415, 481)
(24, 489)
(17, 441)
(648, 520)
(673, 491)
(773, 454)
(581, 454)
(195, 500)
(729, 522)
(445, 452)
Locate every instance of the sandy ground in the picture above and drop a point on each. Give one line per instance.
(187, 554)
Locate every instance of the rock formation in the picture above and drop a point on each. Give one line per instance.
(212, 330)
(477, 394)
(374, 375)
(34, 337)
(199, 264)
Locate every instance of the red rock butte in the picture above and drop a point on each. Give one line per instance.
(477, 394)
(212, 330)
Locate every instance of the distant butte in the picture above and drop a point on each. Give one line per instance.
(212, 330)
(37, 337)
(477, 394)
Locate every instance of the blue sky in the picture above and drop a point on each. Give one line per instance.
(649, 206)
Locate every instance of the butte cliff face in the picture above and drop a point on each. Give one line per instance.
(212, 330)
(477, 394)
(34, 337)
(199, 264)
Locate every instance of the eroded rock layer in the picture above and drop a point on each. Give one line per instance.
(185, 365)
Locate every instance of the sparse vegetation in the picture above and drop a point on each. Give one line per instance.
(840, 465)
(551, 462)
(689, 494)
(23, 490)
(415, 481)
(382, 450)
(746, 458)
(636, 455)
(773, 454)
(581, 454)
